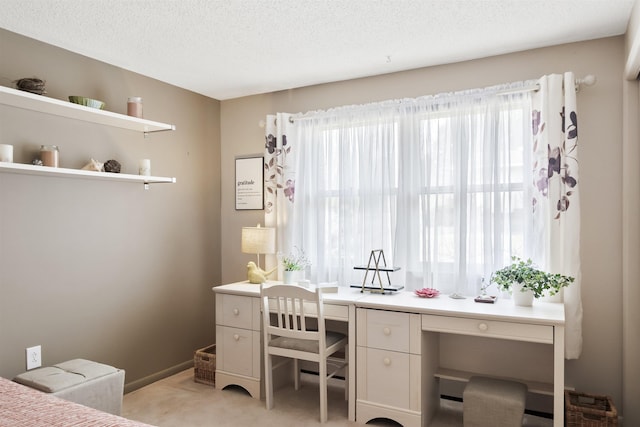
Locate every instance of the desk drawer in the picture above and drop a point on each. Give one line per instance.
(238, 351)
(389, 378)
(238, 311)
(488, 328)
(387, 330)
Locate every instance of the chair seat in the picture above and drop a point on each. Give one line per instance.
(309, 346)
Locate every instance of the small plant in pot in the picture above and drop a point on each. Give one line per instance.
(526, 282)
(294, 266)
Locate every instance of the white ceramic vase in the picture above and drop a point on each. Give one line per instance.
(292, 277)
(521, 297)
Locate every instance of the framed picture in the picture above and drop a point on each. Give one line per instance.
(250, 183)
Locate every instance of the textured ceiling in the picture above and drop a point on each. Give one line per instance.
(230, 48)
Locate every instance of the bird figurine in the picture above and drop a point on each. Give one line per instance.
(256, 274)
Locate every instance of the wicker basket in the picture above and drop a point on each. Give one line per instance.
(589, 410)
(204, 365)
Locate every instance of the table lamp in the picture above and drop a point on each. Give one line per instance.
(258, 240)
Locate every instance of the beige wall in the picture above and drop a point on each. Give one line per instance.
(99, 269)
(600, 130)
(631, 224)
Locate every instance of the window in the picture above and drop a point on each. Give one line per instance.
(439, 187)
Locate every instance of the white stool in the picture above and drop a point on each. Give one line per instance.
(82, 381)
(489, 402)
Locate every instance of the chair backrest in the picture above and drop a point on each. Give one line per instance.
(286, 308)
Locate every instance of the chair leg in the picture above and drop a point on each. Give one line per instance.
(296, 374)
(323, 391)
(268, 380)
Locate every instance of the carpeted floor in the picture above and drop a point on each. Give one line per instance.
(178, 401)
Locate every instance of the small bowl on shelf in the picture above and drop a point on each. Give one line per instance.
(87, 102)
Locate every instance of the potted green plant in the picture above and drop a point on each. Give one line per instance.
(294, 266)
(526, 282)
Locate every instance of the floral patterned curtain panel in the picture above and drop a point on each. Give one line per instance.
(556, 200)
(279, 176)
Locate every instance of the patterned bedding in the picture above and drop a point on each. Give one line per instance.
(22, 406)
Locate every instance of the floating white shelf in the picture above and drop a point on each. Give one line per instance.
(44, 104)
(82, 174)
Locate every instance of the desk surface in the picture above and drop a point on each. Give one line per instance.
(541, 313)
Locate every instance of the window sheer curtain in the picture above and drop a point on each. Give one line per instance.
(431, 181)
(443, 184)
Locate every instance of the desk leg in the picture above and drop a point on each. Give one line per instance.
(352, 362)
(558, 376)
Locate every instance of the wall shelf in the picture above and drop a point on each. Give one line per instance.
(43, 104)
(20, 168)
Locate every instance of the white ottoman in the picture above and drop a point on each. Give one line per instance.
(82, 381)
(489, 402)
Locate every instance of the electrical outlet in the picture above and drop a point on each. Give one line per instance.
(34, 357)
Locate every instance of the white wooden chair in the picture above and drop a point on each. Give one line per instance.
(286, 309)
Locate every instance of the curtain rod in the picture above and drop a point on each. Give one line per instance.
(588, 80)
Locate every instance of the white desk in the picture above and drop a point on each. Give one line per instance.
(543, 323)
(238, 335)
(239, 358)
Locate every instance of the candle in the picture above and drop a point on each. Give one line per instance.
(49, 155)
(144, 167)
(134, 106)
(6, 153)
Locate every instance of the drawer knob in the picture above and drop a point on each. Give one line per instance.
(483, 326)
(386, 331)
(386, 361)
(236, 311)
(236, 337)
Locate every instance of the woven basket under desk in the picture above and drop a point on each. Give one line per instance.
(589, 410)
(204, 365)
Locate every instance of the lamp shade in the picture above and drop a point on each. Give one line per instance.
(258, 240)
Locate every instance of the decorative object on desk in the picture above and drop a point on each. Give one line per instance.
(6, 153)
(377, 263)
(112, 166)
(484, 297)
(294, 266)
(258, 240)
(489, 299)
(94, 165)
(36, 162)
(527, 282)
(256, 275)
(87, 102)
(31, 84)
(427, 292)
(328, 287)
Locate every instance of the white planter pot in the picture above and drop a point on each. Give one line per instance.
(292, 277)
(521, 297)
